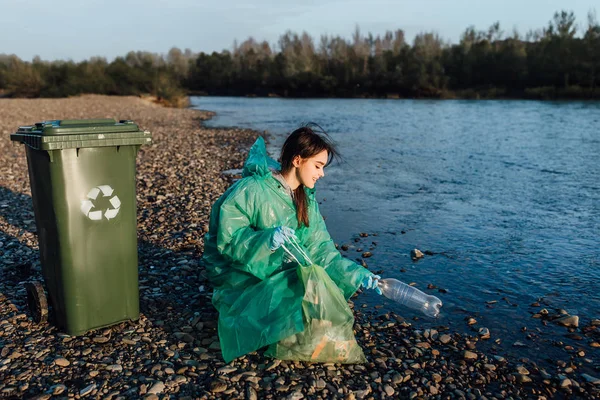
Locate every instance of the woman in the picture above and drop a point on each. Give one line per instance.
(261, 295)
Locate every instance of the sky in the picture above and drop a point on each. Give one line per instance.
(80, 29)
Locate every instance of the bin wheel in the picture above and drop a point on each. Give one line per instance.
(37, 302)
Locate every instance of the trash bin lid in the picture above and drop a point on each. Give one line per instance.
(80, 133)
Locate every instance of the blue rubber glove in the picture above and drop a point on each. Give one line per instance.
(370, 282)
(280, 235)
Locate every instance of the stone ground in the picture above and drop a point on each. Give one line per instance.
(173, 350)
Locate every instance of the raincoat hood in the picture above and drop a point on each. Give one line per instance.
(260, 165)
(258, 162)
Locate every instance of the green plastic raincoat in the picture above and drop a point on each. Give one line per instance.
(259, 293)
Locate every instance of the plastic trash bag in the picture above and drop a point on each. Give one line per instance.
(328, 334)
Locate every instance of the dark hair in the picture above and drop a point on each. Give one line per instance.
(306, 141)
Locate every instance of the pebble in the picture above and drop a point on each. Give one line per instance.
(251, 393)
(218, 386)
(57, 389)
(565, 382)
(389, 390)
(568, 320)
(273, 364)
(484, 333)
(522, 370)
(445, 339)
(62, 362)
(157, 388)
(591, 379)
(226, 370)
(523, 378)
(415, 254)
(114, 368)
(87, 390)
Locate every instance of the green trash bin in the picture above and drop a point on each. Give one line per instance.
(82, 176)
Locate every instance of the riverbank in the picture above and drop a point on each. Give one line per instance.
(173, 350)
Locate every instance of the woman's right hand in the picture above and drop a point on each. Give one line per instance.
(279, 237)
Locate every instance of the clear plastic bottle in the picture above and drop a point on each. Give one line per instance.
(410, 297)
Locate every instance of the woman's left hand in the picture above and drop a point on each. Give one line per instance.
(371, 282)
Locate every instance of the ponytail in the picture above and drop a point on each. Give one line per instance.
(301, 202)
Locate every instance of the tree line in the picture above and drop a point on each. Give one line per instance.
(551, 62)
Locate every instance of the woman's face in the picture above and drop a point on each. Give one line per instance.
(311, 169)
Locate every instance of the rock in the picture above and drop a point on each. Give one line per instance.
(251, 393)
(226, 370)
(156, 388)
(544, 374)
(522, 370)
(431, 334)
(114, 368)
(471, 320)
(415, 254)
(57, 389)
(361, 394)
(469, 355)
(389, 390)
(568, 321)
(484, 333)
(565, 382)
(218, 386)
(522, 378)
(273, 364)
(591, 379)
(445, 339)
(62, 362)
(87, 390)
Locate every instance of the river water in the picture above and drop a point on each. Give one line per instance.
(504, 196)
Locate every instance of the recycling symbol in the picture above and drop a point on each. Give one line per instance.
(88, 206)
